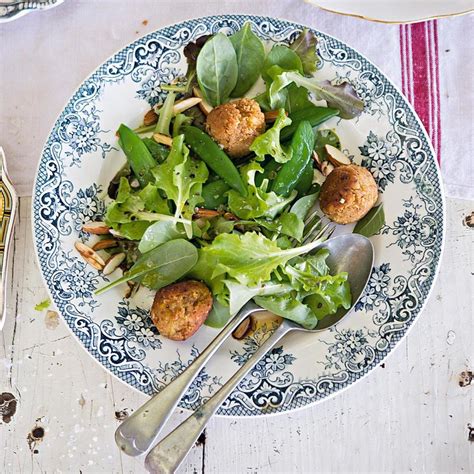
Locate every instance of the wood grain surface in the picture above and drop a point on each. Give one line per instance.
(413, 413)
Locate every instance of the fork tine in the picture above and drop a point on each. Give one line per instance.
(323, 234)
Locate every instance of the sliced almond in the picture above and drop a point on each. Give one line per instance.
(205, 213)
(90, 256)
(326, 168)
(316, 160)
(230, 217)
(113, 263)
(272, 115)
(117, 234)
(105, 244)
(185, 104)
(150, 118)
(205, 106)
(242, 329)
(132, 289)
(98, 228)
(336, 157)
(163, 139)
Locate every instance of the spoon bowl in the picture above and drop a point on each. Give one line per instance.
(351, 253)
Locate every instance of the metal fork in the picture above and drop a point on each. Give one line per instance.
(138, 432)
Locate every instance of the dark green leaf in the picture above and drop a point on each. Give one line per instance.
(286, 58)
(161, 266)
(372, 222)
(250, 57)
(217, 69)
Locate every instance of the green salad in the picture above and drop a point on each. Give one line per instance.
(220, 179)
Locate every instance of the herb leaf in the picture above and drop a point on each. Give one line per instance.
(217, 69)
(372, 222)
(250, 54)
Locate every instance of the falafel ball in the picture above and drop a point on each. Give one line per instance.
(348, 194)
(235, 125)
(180, 309)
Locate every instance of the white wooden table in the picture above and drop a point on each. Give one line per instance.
(413, 413)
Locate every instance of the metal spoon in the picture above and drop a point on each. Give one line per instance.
(139, 431)
(351, 253)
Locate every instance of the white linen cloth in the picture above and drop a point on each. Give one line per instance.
(44, 56)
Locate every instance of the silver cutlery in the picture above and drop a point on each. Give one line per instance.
(351, 253)
(8, 212)
(138, 432)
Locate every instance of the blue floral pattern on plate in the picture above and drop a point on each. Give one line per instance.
(81, 155)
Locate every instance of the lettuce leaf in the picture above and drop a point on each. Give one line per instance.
(126, 213)
(342, 97)
(269, 142)
(290, 307)
(305, 47)
(250, 258)
(181, 178)
(258, 202)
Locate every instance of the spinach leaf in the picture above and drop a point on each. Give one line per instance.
(217, 69)
(250, 54)
(269, 142)
(284, 57)
(160, 267)
(372, 222)
(191, 52)
(305, 47)
(159, 233)
(302, 206)
(342, 97)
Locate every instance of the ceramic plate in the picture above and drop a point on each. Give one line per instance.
(21, 8)
(81, 156)
(396, 11)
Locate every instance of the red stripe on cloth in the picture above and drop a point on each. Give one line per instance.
(437, 88)
(420, 75)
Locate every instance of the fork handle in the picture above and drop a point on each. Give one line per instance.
(138, 432)
(168, 454)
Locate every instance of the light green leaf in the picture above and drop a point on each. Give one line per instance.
(45, 304)
(181, 178)
(269, 142)
(250, 258)
(258, 202)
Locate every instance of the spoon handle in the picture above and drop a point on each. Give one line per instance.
(138, 432)
(168, 454)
